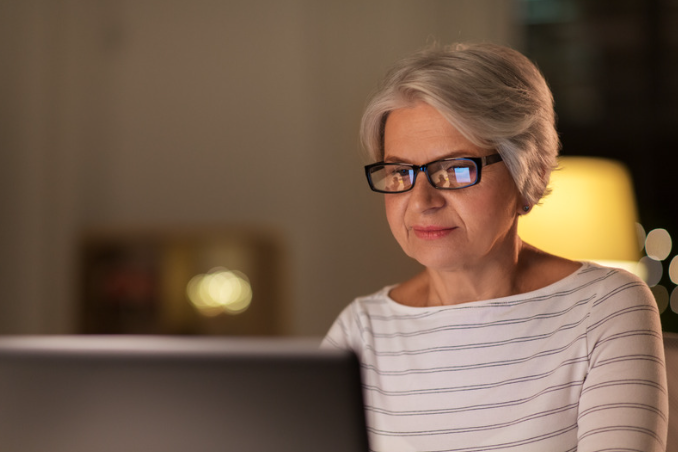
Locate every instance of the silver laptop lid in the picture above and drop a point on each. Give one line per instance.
(152, 394)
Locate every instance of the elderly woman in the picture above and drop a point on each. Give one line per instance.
(495, 345)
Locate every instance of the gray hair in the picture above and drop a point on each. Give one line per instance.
(493, 95)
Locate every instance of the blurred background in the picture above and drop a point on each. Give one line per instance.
(193, 167)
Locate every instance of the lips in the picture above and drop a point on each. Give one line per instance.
(431, 232)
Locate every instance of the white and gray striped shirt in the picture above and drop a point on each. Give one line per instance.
(577, 365)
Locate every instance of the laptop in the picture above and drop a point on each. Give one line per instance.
(166, 394)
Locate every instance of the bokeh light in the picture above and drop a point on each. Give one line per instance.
(673, 270)
(658, 244)
(674, 300)
(640, 231)
(661, 295)
(652, 271)
(220, 291)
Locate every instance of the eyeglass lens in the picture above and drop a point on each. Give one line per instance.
(457, 173)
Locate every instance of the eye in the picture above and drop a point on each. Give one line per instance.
(455, 166)
(401, 171)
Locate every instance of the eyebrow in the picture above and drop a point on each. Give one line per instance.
(449, 155)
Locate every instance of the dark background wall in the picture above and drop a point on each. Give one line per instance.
(613, 69)
(161, 115)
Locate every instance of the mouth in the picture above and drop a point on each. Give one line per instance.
(431, 232)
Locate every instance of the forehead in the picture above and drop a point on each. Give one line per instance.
(421, 134)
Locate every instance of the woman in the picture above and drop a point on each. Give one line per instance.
(496, 345)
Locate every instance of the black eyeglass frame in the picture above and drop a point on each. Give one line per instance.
(480, 162)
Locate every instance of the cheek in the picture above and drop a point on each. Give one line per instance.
(503, 195)
(505, 207)
(494, 209)
(395, 213)
(389, 207)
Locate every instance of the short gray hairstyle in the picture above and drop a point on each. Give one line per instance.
(495, 96)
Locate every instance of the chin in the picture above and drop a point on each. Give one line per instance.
(442, 260)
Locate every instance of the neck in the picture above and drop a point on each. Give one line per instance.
(524, 270)
(498, 277)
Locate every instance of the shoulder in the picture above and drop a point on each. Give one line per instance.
(614, 282)
(374, 302)
(348, 329)
(605, 284)
(603, 292)
(621, 303)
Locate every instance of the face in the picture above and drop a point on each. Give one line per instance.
(448, 229)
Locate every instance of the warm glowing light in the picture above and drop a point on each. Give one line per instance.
(658, 244)
(673, 270)
(661, 296)
(590, 215)
(652, 270)
(220, 291)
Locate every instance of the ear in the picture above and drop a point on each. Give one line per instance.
(524, 207)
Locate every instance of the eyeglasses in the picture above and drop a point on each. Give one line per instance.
(445, 174)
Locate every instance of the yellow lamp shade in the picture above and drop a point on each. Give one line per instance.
(590, 215)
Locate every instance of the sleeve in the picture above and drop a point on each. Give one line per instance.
(624, 400)
(338, 335)
(341, 334)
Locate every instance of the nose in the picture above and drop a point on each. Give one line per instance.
(424, 195)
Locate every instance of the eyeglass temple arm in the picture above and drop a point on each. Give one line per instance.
(490, 159)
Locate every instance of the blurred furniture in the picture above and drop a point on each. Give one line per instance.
(224, 281)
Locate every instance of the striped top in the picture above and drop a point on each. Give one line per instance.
(577, 365)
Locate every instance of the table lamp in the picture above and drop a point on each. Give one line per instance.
(590, 215)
